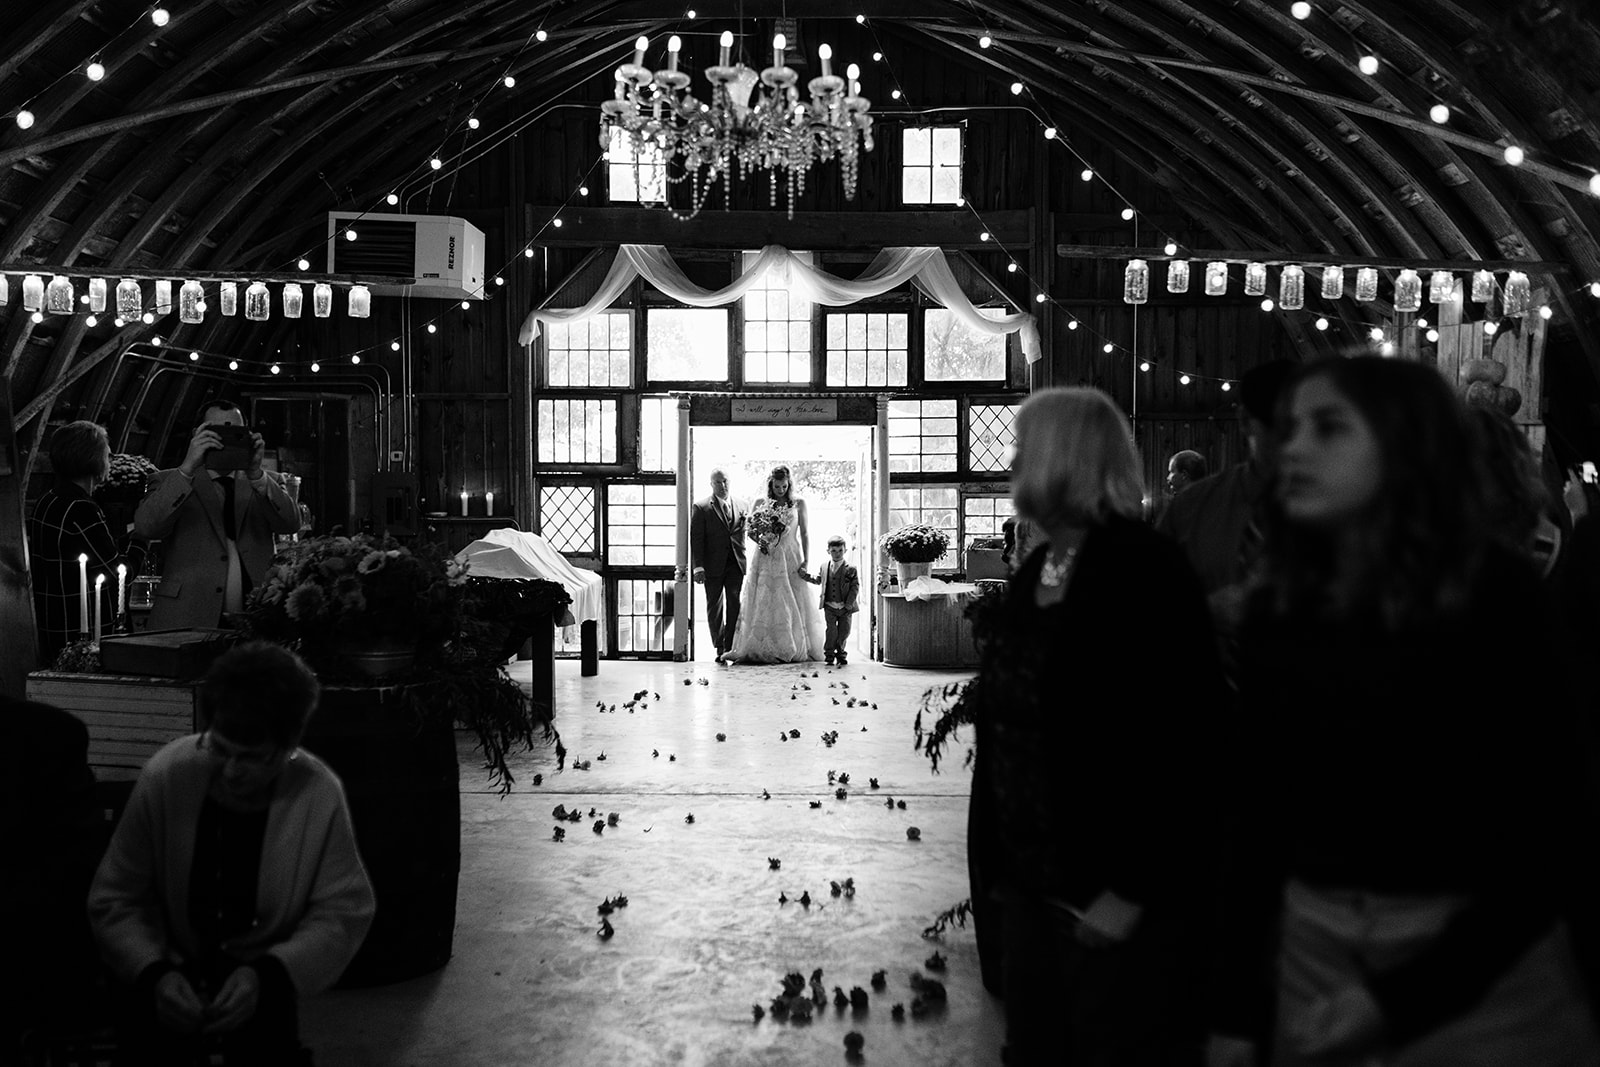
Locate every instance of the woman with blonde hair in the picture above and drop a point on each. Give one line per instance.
(1087, 795)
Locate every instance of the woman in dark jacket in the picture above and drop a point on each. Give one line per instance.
(1091, 775)
(65, 524)
(1409, 836)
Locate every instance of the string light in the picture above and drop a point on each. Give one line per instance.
(1127, 214)
(25, 119)
(349, 235)
(1016, 88)
(1267, 304)
(1432, 335)
(542, 36)
(160, 16)
(1300, 10)
(1011, 268)
(95, 71)
(1170, 248)
(1545, 312)
(435, 162)
(1072, 325)
(304, 263)
(1439, 113)
(355, 358)
(1515, 155)
(466, 305)
(1183, 379)
(499, 280)
(233, 364)
(1376, 333)
(472, 122)
(432, 328)
(315, 367)
(1049, 133)
(276, 369)
(394, 346)
(1368, 64)
(1594, 184)
(1491, 327)
(393, 199)
(1227, 387)
(1108, 348)
(583, 190)
(194, 357)
(510, 82)
(1144, 365)
(985, 41)
(1594, 289)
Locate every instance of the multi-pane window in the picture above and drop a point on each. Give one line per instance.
(577, 431)
(567, 517)
(597, 352)
(922, 435)
(991, 436)
(641, 525)
(983, 516)
(935, 505)
(634, 177)
(931, 171)
(644, 618)
(777, 330)
(953, 353)
(867, 348)
(687, 344)
(658, 433)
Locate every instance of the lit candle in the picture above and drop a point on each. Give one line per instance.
(853, 72)
(673, 44)
(83, 594)
(826, 55)
(122, 591)
(727, 46)
(99, 589)
(465, 496)
(778, 43)
(639, 48)
(488, 502)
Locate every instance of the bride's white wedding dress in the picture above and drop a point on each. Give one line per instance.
(779, 617)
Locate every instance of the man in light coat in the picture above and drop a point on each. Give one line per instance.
(215, 527)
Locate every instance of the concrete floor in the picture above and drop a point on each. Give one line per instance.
(703, 935)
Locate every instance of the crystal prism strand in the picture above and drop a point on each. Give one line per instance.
(1332, 283)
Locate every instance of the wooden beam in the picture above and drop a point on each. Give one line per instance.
(803, 9)
(585, 227)
(1277, 257)
(147, 274)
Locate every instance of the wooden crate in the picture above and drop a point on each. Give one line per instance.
(128, 718)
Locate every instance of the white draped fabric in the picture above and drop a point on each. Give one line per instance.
(924, 266)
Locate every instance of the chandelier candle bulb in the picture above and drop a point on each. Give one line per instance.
(1482, 286)
(1135, 282)
(1216, 278)
(640, 47)
(1292, 287)
(674, 46)
(825, 53)
(1408, 291)
(1332, 283)
(1255, 279)
(726, 41)
(779, 43)
(97, 295)
(1178, 276)
(1367, 284)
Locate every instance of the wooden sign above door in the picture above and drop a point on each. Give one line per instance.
(773, 409)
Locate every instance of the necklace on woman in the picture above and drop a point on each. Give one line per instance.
(1053, 574)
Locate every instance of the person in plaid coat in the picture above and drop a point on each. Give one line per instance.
(66, 523)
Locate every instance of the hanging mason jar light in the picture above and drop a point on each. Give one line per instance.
(1367, 284)
(32, 293)
(1482, 286)
(1178, 276)
(190, 297)
(360, 304)
(130, 301)
(97, 295)
(1332, 283)
(322, 300)
(1216, 278)
(5, 290)
(58, 296)
(1519, 294)
(257, 302)
(228, 297)
(1441, 286)
(1292, 287)
(293, 297)
(1255, 279)
(1136, 282)
(163, 297)
(1408, 291)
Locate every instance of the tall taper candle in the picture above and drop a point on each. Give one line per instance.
(99, 595)
(122, 593)
(825, 53)
(640, 46)
(674, 43)
(83, 594)
(727, 47)
(488, 502)
(464, 498)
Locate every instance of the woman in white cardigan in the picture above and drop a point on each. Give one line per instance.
(232, 885)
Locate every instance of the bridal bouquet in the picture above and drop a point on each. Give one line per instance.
(765, 525)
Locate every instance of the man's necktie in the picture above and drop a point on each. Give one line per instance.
(229, 526)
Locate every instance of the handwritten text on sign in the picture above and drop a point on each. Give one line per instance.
(780, 409)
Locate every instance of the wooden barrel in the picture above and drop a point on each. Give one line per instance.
(403, 783)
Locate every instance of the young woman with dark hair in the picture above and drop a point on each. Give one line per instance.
(66, 523)
(1409, 829)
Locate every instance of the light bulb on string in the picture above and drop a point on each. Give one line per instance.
(1300, 10)
(24, 119)
(472, 122)
(1049, 133)
(1594, 289)
(1267, 304)
(1144, 365)
(37, 317)
(1594, 184)
(356, 358)
(1072, 325)
(1087, 174)
(1368, 64)
(1011, 268)
(233, 364)
(1227, 387)
(1170, 248)
(147, 318)
(1421, 323)
(1039, 299)
(499, 280)
(583, 190)
(1108, 348)
(528, 252)
(435, 162)
(276, 369)
(466, 305)
(1183, 379)
(1016, 88)
(1432, 335)
(349, 235)
(119, 322)
(95, 71)
(1545, 312)
(984, 236)
(861, 20)
(432, 328)
(877, 57)
(985, 41)
(92, 321)
(315, 367)
(194, 357)
(394, 346)
(155, 341)
(1514, 155)
(1491, 328)
(1439, 114)
(894, 94)
(510, 81)
(1376, 333)
(556, 222)
(304, 264)
(542, 36)
(393, 199)
(961, 201)
(160, 16)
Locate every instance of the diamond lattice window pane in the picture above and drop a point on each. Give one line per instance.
(567, 517)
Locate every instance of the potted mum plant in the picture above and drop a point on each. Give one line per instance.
(914, 548)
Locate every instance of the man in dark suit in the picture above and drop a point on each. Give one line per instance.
(716, 551)
(215, 526)
(840, 588)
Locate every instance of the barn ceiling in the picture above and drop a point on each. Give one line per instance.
(219, 140)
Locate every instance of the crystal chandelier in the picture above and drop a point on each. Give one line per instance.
(756, 121)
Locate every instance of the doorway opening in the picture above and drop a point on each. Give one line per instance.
(832, 471)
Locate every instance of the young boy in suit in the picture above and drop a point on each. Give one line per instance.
(840, 588)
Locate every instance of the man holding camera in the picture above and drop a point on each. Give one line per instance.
(215, 515)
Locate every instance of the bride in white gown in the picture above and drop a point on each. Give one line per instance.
(779, 618)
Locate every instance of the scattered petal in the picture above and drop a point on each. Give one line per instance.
(689, 818)
(913, 834)
(773, 863)
(606, 929)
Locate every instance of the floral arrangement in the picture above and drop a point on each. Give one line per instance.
(129, 476)
(765, 524)
(328, 591)
(915, 542)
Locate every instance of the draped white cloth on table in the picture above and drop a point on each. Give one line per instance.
(926, 267)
